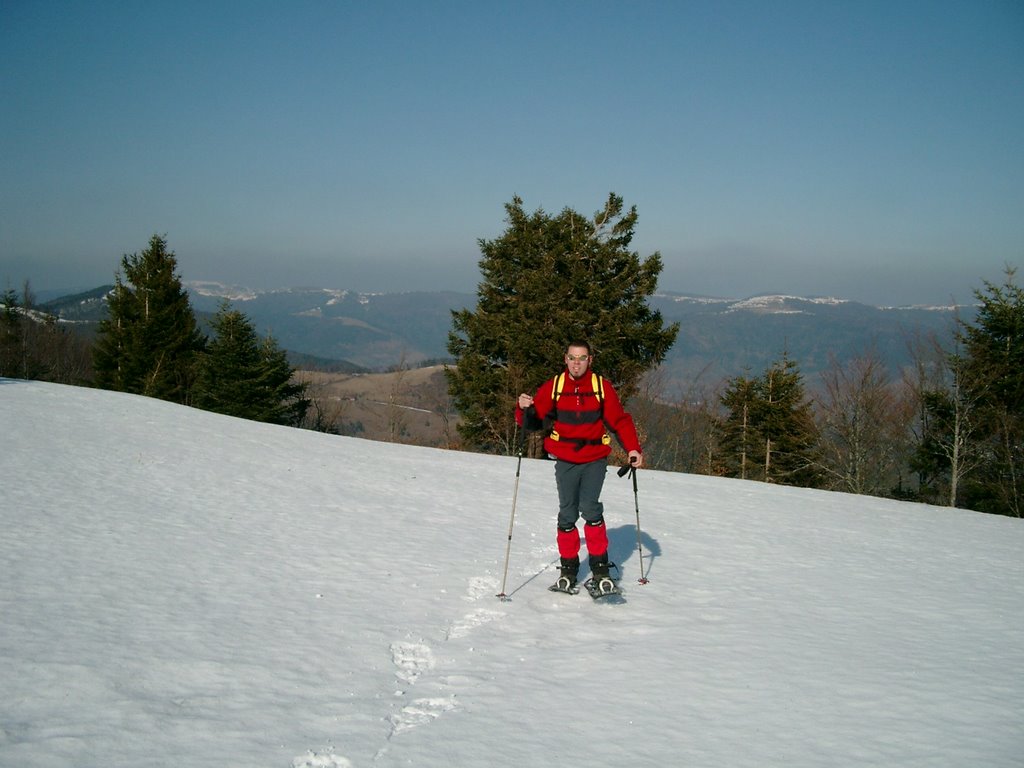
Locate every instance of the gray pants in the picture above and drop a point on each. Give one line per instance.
(579, 492)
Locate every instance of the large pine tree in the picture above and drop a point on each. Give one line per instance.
(241, 375)
(548, 280)
(149, 341)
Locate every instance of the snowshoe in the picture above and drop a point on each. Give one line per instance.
(602, 587)
(566, 585)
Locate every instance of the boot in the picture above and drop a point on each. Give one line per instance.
(570, 569)
(599, 566)
(599, 570)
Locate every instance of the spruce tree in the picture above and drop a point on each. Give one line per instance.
(787, 425)
(149, 340)
(769, 432)
(241, 375)
(740, 433)
(994, 377)
(546, 281)
(10, 336)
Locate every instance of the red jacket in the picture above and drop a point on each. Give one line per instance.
(579, 434)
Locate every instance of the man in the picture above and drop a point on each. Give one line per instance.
(577, 405)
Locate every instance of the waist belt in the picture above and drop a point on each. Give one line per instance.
(579, 442)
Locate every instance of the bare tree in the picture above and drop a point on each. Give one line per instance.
(958, 443)
(37, 345)
(438, 400)
(327, 410)
(863, 425)
(678, 428)
(396, 416)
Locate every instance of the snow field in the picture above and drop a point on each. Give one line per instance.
(181, 588)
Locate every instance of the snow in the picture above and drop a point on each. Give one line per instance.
(230, 292)
(780, 304)
(179, 588)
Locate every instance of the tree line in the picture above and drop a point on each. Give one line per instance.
(33, 345)
(150, 343)
(948, 430)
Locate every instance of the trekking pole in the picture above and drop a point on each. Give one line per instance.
(511, 521)
(636, 504)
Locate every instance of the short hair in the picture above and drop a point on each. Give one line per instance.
(583, 344)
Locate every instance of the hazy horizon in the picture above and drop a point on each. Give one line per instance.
(868, 151)
(48, 293)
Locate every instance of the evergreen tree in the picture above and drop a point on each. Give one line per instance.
(994, 377)
(240, 375)
(769, 432)
(149, 341)
(740, 432)
(787, 423)
(11, 337)
(546, 281)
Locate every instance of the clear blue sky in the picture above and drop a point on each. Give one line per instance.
(870, 150)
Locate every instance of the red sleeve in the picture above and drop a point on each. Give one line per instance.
(542, 402)
(618, 420)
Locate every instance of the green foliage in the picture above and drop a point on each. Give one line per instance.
(994, 350)
(769, 432)
(932, 458)
(548, 280)
(995, 344)
(740, 431)
(11, 337)
(149, 342)
(971, 447)
(240, 375)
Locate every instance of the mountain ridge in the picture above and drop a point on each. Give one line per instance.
(719, 337)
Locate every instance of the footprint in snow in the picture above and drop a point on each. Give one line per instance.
(412, 660)
(481, 586)
(462, 627)
(313, 760)
(420, 712)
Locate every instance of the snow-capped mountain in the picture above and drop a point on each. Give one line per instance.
(718, 337)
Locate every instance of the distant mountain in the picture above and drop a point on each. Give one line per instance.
(725, 337)
(373, 330)
(85, 309)
(718, 337)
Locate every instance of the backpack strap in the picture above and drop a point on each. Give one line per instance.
(597, 386)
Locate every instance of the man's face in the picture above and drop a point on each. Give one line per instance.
(577, 360)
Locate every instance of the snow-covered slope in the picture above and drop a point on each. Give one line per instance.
(179, 588)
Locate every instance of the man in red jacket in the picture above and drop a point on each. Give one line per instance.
(577, 406)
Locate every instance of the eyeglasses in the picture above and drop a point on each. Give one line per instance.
(578, 358)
